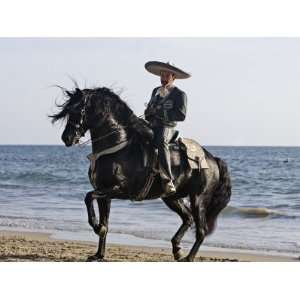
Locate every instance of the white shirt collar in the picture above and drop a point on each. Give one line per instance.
(164, 91)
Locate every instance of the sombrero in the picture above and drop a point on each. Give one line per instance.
(156, 67)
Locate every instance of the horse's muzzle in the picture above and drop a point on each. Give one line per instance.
(67, 139)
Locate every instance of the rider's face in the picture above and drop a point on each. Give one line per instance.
(166, 78)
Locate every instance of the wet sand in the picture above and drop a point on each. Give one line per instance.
(28, 246)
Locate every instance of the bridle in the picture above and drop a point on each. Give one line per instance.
(79, 127)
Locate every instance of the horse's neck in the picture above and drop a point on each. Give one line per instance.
(109, 134)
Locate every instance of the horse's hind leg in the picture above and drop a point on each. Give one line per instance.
(104, 210)
(199, 212)
(184, 212)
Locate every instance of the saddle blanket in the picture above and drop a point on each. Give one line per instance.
(195, 153)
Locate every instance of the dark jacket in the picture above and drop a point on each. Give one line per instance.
(167, 117)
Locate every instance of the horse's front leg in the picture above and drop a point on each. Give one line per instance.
(92, 219)
(104, 210)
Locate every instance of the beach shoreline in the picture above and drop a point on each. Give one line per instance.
(34, 246)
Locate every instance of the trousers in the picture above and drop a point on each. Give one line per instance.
(162, 137)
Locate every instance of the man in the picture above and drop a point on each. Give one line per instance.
(166, 107)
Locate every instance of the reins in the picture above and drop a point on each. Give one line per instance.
(104, 136)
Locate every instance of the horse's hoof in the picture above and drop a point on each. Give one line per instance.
(178, 255)
(92, 258)
(96, 258)
(185, 259)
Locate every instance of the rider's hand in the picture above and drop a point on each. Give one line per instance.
(150, 111)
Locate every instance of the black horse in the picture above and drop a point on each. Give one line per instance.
(123, 160)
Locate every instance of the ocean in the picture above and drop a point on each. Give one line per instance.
(42, 189)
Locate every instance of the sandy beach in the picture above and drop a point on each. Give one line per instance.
(29, 246)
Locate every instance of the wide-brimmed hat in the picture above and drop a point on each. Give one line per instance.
(156, 67)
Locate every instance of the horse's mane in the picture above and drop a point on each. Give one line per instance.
(107, 100)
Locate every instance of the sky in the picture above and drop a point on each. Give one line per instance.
(243, 91)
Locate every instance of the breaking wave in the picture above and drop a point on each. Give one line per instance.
(256, 212)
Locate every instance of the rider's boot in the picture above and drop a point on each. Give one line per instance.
(168, 188)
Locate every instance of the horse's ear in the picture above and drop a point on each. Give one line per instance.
(78, 91)
(69, 94)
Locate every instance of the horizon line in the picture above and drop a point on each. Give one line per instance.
(212, 145)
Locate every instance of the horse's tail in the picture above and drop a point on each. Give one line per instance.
(220, 198)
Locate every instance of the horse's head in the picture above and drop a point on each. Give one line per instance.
(74, 110)
(99, 109)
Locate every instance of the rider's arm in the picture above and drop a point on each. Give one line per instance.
(179, 112)
(176, 110)
(150, 109)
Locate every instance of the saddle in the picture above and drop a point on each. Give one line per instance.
(180, 148)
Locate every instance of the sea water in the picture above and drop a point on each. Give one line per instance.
(42, 188)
